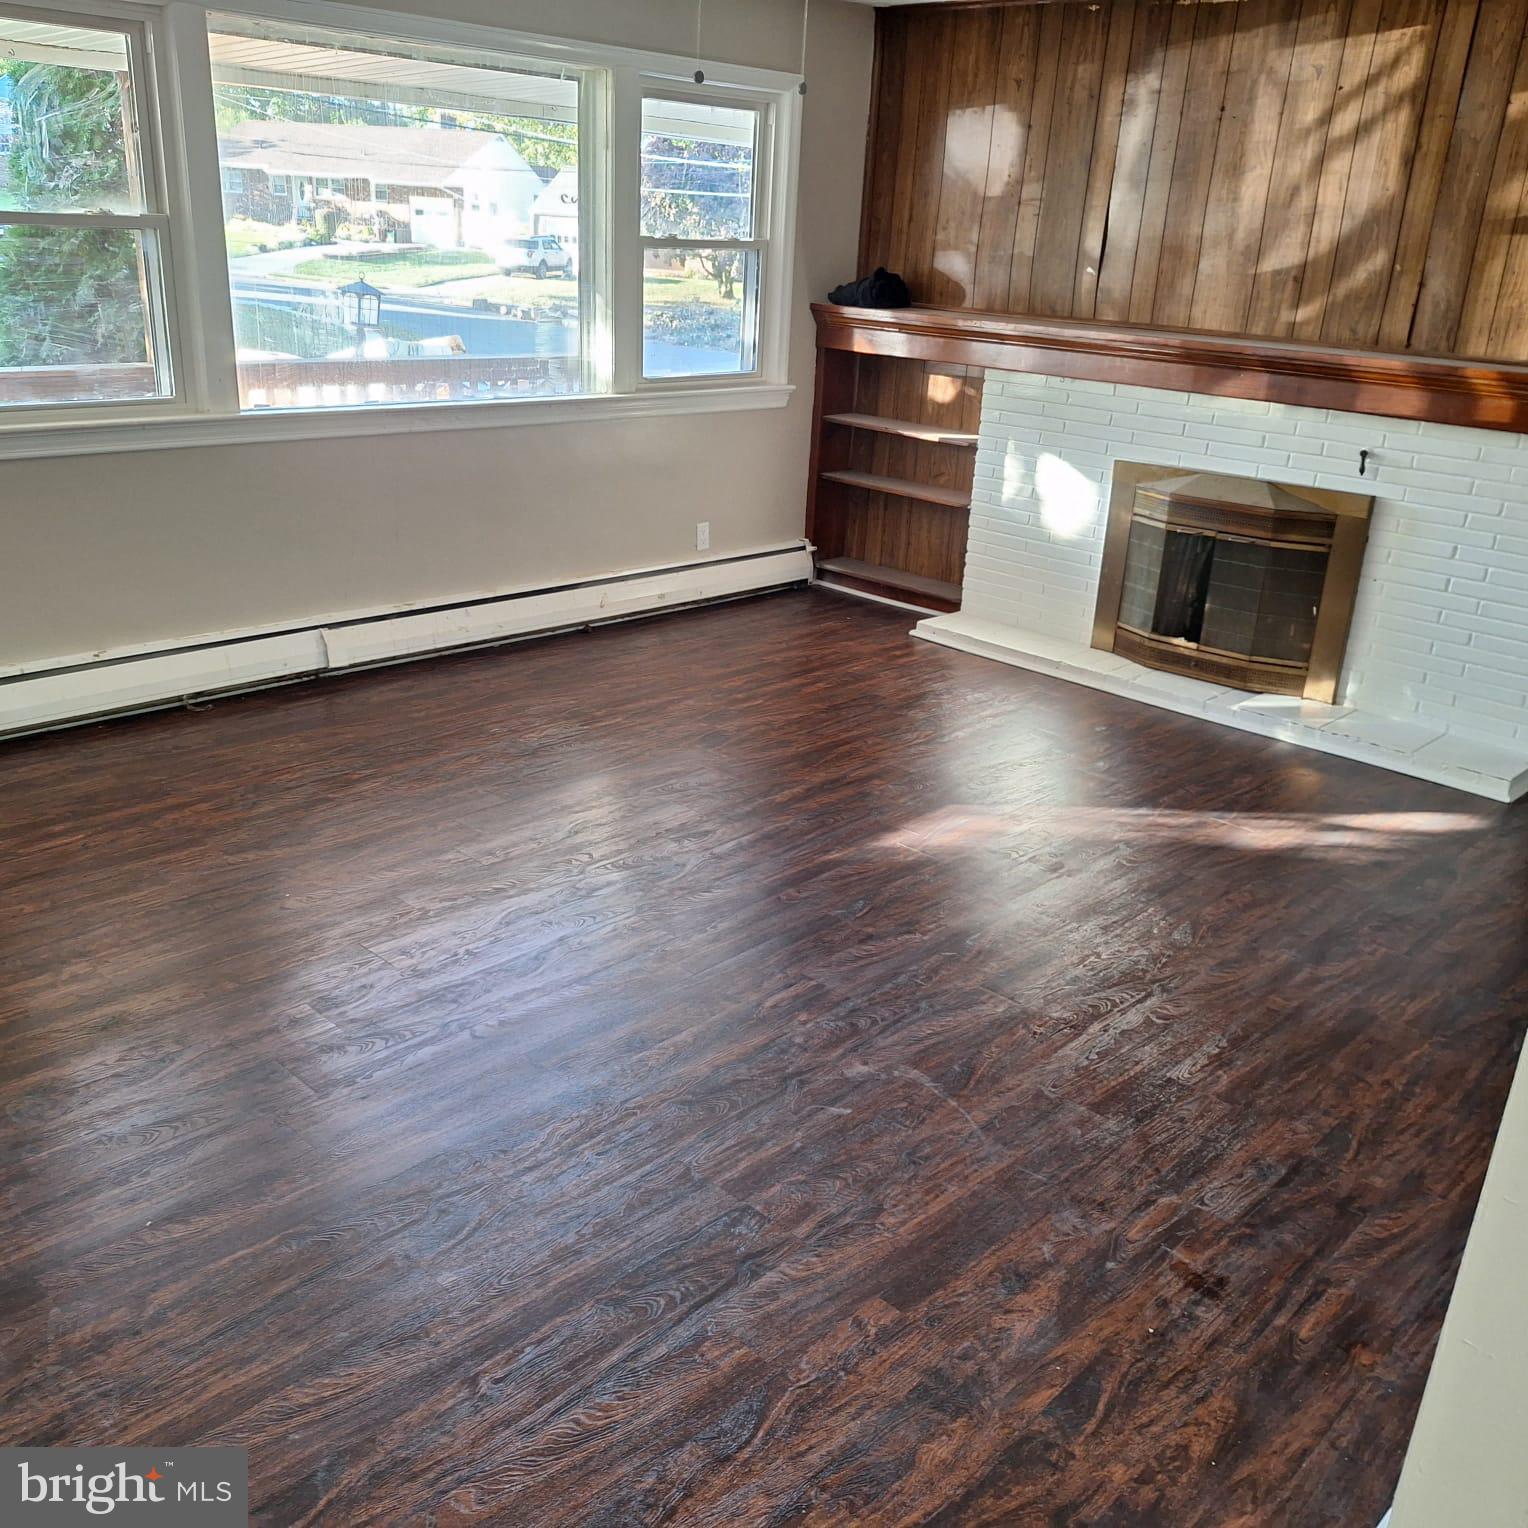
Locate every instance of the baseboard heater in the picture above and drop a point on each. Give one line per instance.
(68, 695)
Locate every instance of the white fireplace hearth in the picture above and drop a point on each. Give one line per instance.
(1435, 680)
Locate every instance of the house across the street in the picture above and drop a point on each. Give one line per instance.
(449, 188)
(555, 210)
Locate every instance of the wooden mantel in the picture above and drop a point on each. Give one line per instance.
(1360, 382)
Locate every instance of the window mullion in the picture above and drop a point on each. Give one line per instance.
(146, 222)
(625, 151)
(779, 187)
(652, 242)
(202, 297)
(596, 299)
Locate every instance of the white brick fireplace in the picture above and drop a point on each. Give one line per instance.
(1435, 681)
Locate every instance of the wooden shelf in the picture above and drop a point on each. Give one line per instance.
(902, 488)
(931, 434)
(902, 536)
(935, 591)
(1485, 394)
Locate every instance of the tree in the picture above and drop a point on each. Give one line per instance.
(696, 189)
(721, 265)
(68, 296)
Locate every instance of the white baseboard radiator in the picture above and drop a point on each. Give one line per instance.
(70, 693)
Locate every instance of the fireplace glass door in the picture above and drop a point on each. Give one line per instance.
(1226, 579)
(1228, 594)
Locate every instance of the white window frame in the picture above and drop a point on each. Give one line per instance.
(764, 215)
(178, 127)
(153, 223)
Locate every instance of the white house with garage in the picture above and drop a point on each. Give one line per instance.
(555, 210)
(449, 188)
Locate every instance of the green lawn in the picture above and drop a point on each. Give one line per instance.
(681, 286)
(245, 236)
(408, 268)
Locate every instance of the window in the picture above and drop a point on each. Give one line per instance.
(701, 254)
(454, 215)
(81, 223)
(456, 320)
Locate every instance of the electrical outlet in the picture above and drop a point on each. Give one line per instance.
(702, 535)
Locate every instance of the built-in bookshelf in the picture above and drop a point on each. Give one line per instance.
(893, 453)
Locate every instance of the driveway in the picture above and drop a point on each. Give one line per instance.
(282, 262)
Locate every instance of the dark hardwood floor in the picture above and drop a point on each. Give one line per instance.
(742, 1068)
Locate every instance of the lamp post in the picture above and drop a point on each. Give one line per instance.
(363, 308)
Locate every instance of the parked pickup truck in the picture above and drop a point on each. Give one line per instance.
(540, 256)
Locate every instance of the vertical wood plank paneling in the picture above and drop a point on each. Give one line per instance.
(1345, 171)
(1036, 151)
(1285, 238)
(1388, 123)
(1510, 320)
(1127, 190)
(1079, 75)
(1238, 196)
(1159, 172)
(903, 161)
(1455, 35)
(1012, 101)
(1336, 167)
(933, 118)
(1209, 62)
(1467, 175)
(1111, 107)
(888, 103)
(1511, 304)
(969, 113)
(1499, 225)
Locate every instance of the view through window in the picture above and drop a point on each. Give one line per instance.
(701, 256)
(398, 218)
(400, 229)
(79, 237)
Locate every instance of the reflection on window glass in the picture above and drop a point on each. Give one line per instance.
(697, 170)
(399, 229)
(65, 120)
(699, 312)
(75, 319)
(74, 325)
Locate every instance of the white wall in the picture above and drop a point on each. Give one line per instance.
(1466, 1463)
(110, 551)
(1440, 629)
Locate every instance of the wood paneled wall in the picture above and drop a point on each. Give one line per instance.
(1347, 172)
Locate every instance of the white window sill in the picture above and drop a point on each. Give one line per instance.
(151, 432)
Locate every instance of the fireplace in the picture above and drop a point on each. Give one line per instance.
(1230, 580)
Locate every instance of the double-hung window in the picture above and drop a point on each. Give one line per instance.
(338, 211)
(82, 220)
(703, 221)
